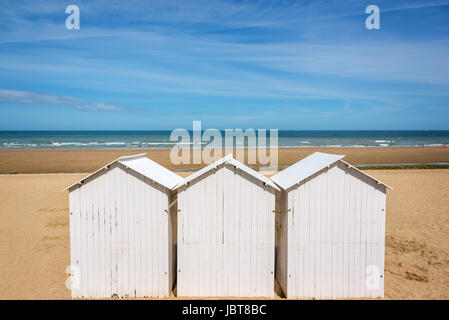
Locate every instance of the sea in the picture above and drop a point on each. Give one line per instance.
(161, 139)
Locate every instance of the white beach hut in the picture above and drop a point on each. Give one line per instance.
(331, 237)
(226, 232)
(121, 237)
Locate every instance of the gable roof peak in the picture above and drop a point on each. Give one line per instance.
(308, 166)
(230, 160)
(141, 164)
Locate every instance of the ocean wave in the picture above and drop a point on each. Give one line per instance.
(114, 143)
(159, 143)
(433, 145)
(93, 143)
(16, 144)
(68, 144)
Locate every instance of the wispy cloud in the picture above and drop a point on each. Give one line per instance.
(98, 106)
(413, 6)
(28, 97)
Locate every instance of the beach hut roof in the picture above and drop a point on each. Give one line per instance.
(310, 165)
(144, 166)
(230, 160)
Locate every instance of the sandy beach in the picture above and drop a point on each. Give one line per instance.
(34, 230)
(89, 160)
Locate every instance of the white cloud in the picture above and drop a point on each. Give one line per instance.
(99, 106)
(29, 97)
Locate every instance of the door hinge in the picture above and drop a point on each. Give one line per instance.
(278, 212)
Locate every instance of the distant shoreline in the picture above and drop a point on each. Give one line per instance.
(235, 147)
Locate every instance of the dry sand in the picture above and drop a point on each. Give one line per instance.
(34, 233)
(89, 160)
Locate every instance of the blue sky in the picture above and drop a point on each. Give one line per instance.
(232, 64)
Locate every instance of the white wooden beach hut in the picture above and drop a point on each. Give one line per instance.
(331, 237)
(121, 237)
(226, 232)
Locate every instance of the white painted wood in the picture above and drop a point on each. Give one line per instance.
(226, 234)
(83, 242)
(120, 234)
(331, 228)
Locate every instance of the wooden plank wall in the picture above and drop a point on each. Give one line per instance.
(226, 236)
(119, 236)
(336, 236)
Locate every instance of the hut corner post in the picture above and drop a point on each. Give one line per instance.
(173, 235)
(281, 245)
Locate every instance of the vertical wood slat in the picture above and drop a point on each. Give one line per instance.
(113, 231)
(106, 237)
